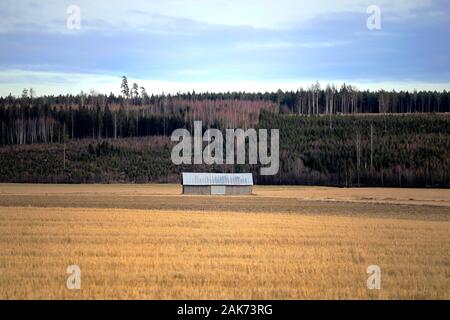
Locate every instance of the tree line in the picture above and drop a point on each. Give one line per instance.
(31, 119)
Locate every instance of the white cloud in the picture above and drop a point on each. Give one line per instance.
(13, 81)
(194, 72)
(50, 15)
(46, 82)
(247, 46)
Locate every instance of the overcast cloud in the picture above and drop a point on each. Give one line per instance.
(175, 45)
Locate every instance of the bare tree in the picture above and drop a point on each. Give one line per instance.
(371, 147)
(358, 153)
(144, 96)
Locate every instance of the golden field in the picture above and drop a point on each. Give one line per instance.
(150, 242)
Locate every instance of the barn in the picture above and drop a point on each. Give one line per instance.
(217, 183)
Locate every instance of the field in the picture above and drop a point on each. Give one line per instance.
(150, 242)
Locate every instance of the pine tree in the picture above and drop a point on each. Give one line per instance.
(124, 86)
(134, 92)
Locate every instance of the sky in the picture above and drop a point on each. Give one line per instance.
(222, 45)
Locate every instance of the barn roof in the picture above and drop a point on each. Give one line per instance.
(223, 179)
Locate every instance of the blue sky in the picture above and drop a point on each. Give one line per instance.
(207, 45)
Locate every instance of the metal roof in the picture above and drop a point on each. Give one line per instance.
(221, 179)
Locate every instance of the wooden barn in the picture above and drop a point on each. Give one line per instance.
(217, 183)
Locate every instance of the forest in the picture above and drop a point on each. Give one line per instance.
(328, 136)
(363, 150)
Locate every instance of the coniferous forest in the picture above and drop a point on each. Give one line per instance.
(328, 136)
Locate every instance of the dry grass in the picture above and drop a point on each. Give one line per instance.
(266, 251)
(395, 195)
(368, 195)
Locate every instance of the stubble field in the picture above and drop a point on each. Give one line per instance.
(150, 242)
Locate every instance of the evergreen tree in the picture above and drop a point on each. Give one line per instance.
(124, 87)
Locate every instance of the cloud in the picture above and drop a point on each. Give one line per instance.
(220, 43)
(151, 16)
(194, 72)
(56, 83)
(286, 44)
(51, 82)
